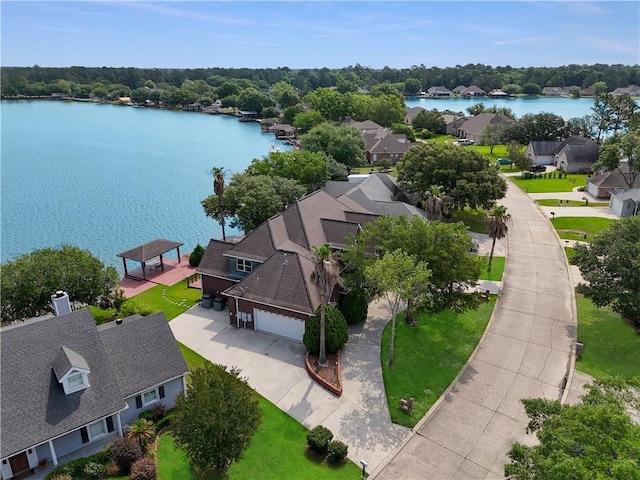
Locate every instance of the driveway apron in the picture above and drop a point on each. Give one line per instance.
(526, 351)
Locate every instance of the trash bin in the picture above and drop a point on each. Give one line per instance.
(218, 304)
(207, 301)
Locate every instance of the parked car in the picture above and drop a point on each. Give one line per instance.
(538, 169)
(465, 141)
(503, 161)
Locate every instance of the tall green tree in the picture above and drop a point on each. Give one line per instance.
(443, 247)
(309, 169)
(492, 135)
(217, 418)
(614, 113)
(610, 266)
(401, 280)
(430, 120)
(28, 282)
(341, 142)
(332, 104)
(539, 126)
(466, 175)
(618, 148)
(596, 439)
(252, 199)
(325, 275)
(497, 227)
(515, 152)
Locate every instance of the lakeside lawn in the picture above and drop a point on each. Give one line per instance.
(575, 228)
(428, 357)
(172, 300)
(554, 202)
(549, 185)
(497, 269)
(475, 219)
(277, 447)
(611, 345)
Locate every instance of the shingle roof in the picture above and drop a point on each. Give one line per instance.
(66, 360)
(150, 250)
(33, 405)
(142, 351)
(544, 147)
(614, 179)
(213, 262)
(476, 124)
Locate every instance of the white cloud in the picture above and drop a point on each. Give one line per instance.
(523, 41)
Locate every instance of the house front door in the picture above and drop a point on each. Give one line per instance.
(19, 463)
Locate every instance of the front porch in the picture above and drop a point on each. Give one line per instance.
(85, 451)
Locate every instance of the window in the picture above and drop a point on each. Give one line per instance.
(150, 397)
(75, 380)
(244, 265)
(97, 429)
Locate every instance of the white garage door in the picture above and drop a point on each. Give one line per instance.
(279, 325)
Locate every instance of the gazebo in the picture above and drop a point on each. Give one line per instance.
(148, 251)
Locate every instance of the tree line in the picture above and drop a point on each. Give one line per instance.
(38, 80)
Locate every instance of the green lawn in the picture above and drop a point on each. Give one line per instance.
(548, 185)
(575, 228)
(278, 446)
(476, 220)
(611, 346)
(497, 269)
(429, 356)
(172, 300)
(499, 151)
(554, 202)
(570, 252)
(172, 461)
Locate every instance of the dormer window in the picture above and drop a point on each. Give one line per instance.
(71, 370)
(244, 265)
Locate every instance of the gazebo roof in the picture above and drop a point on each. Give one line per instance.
(150, 250)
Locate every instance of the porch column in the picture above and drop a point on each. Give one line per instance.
(184, 385)
(54, 457)
(178, 249)
(124, 262)
(119, 424)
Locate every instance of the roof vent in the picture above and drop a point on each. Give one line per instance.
(61, 303)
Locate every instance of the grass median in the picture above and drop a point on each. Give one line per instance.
(429, 356)
(580, 228)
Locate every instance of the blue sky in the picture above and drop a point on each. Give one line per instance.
(301, 34)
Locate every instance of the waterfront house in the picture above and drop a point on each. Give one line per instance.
(440, 91)
(380, 143)
(632, 90)
(68, 384)
(459, 89)
(472, 91)
(555, 91)
(472, 128)
(412, 112)
(265, 278)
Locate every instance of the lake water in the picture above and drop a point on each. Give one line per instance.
(565, 107)
(108, 178)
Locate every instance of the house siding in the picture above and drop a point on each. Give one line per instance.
(214, 286)
(171, 391)
(247, 307)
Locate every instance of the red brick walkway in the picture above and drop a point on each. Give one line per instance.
(173, 273)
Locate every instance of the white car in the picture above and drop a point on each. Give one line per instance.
(465, 141)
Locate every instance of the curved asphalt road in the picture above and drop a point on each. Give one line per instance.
(525, 352)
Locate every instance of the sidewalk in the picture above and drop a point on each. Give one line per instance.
(525, 352)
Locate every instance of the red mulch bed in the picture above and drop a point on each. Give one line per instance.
(329, 375)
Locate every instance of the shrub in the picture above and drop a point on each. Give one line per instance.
(337, 451)
(336, 331)
(146, 415)
(143, 469)
(318, 439)
(75, 468)
(124, 452)
(61, 476)
(196, 255)
(158, 411)
(354, 306)
(164, 422)
(112, 470)
(94, 470)
(133, 306)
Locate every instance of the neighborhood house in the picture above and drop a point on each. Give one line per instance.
(573, 155)
(68, 384)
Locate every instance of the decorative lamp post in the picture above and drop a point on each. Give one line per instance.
(364, 466)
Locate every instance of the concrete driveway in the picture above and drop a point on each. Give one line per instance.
(274, 366)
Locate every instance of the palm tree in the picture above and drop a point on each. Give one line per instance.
(141, 431)
(218, 189)
(436, 203)
(324, 276)
(497, 227)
